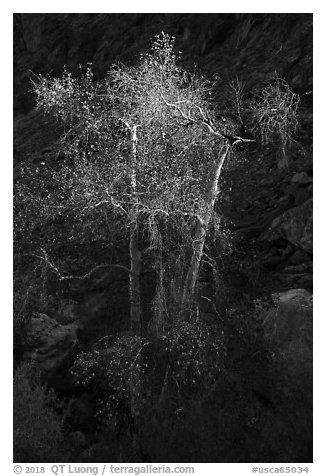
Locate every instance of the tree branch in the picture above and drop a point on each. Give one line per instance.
(128, 126)
(231, 139)
(178, 109)
(83, 277)
(111, 202)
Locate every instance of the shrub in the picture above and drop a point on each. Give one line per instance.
(116, 371)
(195, 353)
(275, 112)
(38, 435)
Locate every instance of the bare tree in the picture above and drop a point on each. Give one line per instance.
(149, 143)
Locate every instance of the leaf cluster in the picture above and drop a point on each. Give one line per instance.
(117, 371)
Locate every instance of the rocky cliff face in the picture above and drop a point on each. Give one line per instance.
(252, 46)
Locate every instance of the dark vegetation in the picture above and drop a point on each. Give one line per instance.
(161, 279)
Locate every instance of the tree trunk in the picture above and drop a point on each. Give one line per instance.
(160, 296)
(202, 227)
(134, 279)
(135, 253)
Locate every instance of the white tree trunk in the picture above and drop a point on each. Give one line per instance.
(203, 225)
(135, 253)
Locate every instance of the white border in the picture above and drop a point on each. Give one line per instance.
(315, 7)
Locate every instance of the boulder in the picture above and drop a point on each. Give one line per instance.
(295, 226)
(295, 278)
(48, 344)
(289, 328)
(288, 331)
(299, 193)
(301, 178)
(299, 257)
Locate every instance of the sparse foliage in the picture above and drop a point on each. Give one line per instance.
(274, 112)
(196, 354)
(117, 371)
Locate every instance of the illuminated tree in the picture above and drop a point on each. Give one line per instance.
(149, 144)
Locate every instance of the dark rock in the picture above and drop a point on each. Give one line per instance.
(93, 310)
(289, 326)
(294, 55)
(284, 203)
(301, 178)
(81, 413)
(299, 256)
(295, 225)
(78, 440)
(276, 255)
(101, 452)
(299, 194)
(68, 311)
(47, 42)
(305, 281)
(299, 268)
(32, 32)
(289, 330)
(48, 344)
(299, 274)
(289, 280)
(302, 196)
